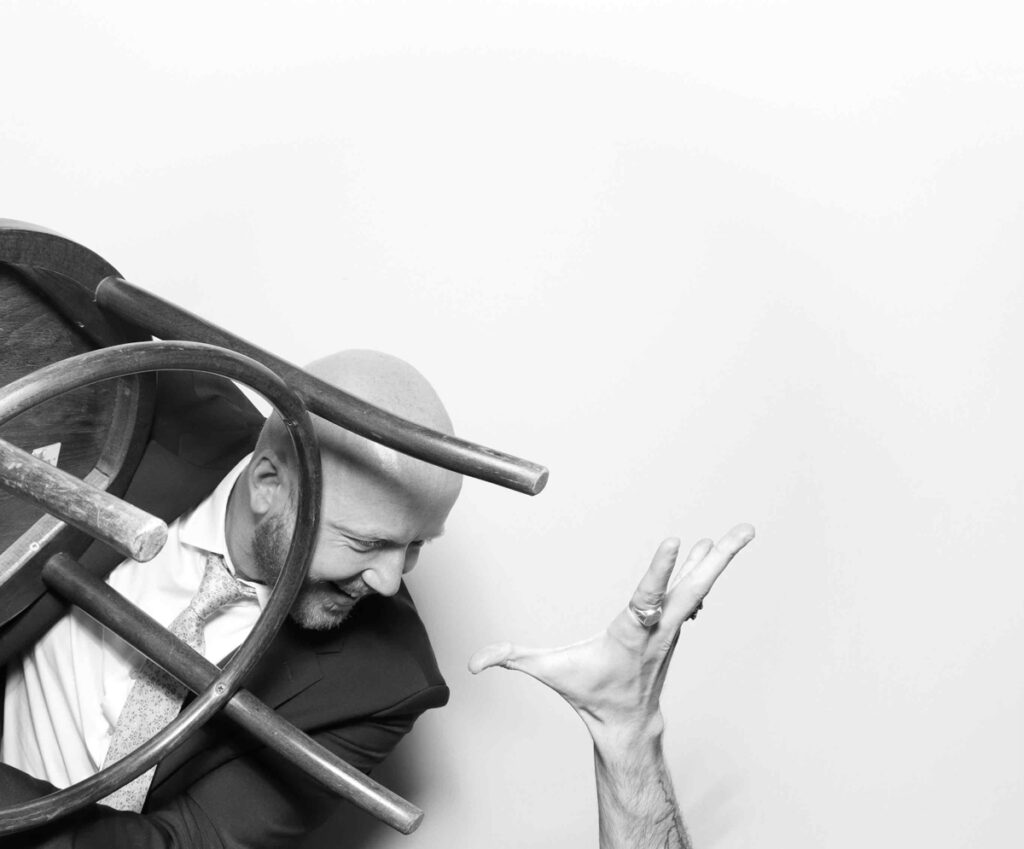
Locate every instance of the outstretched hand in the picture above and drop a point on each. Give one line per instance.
(614, 679)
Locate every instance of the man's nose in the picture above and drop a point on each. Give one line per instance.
(385, 576)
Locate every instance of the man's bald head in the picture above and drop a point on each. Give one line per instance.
(386, 382)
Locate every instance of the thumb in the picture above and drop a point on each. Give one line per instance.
(496, 654)
(555, 668)
(540, 663)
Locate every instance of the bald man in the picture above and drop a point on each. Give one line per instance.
(357, 688)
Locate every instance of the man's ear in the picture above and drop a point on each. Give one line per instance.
(268, 485)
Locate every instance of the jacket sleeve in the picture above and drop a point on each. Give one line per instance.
(254, 801)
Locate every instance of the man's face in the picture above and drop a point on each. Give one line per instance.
(372, 528)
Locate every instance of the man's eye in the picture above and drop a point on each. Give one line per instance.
(367, 545)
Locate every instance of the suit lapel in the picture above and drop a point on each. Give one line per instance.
(288, 667)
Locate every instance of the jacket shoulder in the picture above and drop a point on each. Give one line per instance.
(378, 661)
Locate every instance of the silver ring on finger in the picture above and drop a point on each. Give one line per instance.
(647, 618)
(696, 610)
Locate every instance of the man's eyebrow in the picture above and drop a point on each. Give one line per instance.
(371, 535)
(363, 534)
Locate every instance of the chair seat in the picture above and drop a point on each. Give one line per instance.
(46, 315)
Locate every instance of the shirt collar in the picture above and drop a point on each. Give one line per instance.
(205, 527)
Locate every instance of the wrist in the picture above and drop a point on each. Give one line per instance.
(635, 795)
(630, 738)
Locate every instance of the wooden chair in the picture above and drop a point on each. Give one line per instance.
(75, 412)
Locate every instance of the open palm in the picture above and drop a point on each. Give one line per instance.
(614, 679)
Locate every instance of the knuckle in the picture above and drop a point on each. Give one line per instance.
(647, 598)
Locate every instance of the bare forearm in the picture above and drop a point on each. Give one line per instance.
(637, 806)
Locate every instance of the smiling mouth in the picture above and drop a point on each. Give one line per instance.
(354, 593)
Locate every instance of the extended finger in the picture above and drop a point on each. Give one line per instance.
(697, 582)
(697, 553)
(654, 584)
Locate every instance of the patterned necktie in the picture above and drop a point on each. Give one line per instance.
(156, 697)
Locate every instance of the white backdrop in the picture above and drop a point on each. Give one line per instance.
(710, 261)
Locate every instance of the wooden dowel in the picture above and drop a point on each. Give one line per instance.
(67, 577)
(130, 531)
(168, 321)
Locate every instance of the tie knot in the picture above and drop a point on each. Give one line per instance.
(218, 588)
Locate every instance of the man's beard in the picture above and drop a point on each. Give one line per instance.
(312, 607)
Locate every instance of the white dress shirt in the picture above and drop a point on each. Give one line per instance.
(64, 696)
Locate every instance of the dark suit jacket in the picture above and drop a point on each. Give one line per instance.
(356, 689)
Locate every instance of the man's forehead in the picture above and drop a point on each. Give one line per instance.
(376, 514)
(342, 452)
(351, 461)
(384, 500)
